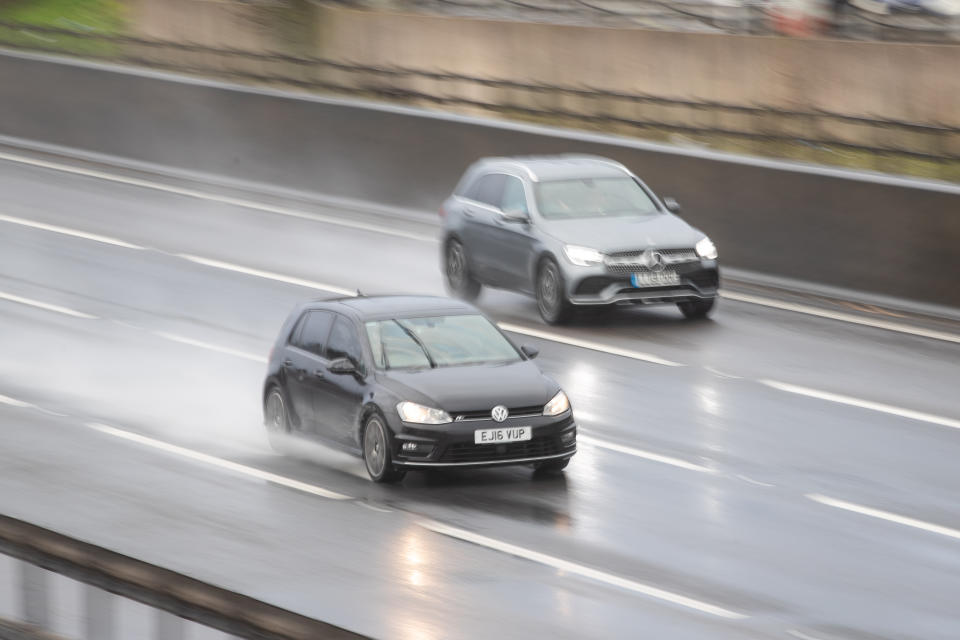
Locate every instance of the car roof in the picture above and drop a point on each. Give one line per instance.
(384, 307)
(556, 167)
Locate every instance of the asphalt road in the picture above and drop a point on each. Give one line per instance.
(765, 474)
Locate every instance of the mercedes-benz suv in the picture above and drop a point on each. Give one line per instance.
(573, 231)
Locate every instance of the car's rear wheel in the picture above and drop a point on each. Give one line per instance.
(695, 309)
(458, 278)
(377, 447)
(551, 466)
(276, 420)
(551, 299)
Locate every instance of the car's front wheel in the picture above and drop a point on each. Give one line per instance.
(276, 420)
(458, 278)
(695, 309)
(377, 447)
(551, 299)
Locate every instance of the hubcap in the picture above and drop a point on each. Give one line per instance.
(374, 447)
(456, 265)
(549, 290)
(275, 417)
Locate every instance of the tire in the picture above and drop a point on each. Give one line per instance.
(276, 420)
(552, 302)
(457, 274)
(377, 447)
(696, 309)
(551, 466)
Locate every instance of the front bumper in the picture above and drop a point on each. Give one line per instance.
(452, 444)
(600, 286)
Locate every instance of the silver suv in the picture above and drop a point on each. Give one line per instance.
(573, 231)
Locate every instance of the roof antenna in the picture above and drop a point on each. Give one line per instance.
(360, 294)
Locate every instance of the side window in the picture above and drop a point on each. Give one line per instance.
(312, 336)
(488, 189)
(344, 342)
(514, 198)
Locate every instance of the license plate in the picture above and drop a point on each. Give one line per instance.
(655, 279)
(506, 434)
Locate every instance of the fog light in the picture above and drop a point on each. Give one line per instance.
(568, 436)
(410, 446)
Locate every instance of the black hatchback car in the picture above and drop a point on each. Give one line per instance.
(414, 382)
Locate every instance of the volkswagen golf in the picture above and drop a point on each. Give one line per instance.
(573, 231)
(414, 382)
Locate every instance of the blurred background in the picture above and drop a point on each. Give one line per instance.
(176, 175)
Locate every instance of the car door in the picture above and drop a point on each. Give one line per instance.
(339, 397)
(513, 238)
(304, 366)
(481, 205)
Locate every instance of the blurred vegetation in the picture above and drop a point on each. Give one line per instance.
(85, 17)
(100, 16)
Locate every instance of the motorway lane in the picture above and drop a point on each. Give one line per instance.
(718, 533)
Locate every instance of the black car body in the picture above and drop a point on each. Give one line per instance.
(363, 372)
(574, 231)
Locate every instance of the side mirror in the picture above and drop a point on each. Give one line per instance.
(672, 205)
(515, 215)
(530, 351)
(341, 366)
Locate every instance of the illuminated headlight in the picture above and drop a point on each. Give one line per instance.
(706, 249)
(558, 405)
(419, 414)
(582, 256)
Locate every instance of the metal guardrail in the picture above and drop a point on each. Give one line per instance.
(106, 575)
(597, 108)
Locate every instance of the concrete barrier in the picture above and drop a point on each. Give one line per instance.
(883, 236)
(166, 592)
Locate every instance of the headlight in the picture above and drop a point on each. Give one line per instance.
(558, 405)
(413, 412)
(582, 256)
(706, 249)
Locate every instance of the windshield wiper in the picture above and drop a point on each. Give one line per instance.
(416, 338)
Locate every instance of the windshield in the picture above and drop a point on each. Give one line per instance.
(442, 341)
(593, 198)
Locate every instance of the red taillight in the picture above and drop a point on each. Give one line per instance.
(443, 212)
(270, 357)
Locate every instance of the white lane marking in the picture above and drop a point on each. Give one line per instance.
(210, 347)
(721, 374)
(580, 570)
(218, 462)
(863, 404)
(586, 344)
(212, 197)
(885, 515)
(756, 482)
(13, 402)
(46, 306)
(841, 316)
(68, 232)
(801, 635)
(269, 275)
(640, 453)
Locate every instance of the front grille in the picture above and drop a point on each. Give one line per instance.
(629, 261)
(535, 448)
(484, 414)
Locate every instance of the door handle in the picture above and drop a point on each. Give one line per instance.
(468, 213)
(288, 362)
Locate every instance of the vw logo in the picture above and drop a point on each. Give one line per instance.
(499, 413)
(653, 260)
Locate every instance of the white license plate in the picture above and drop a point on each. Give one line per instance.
(655, 279)
(506, 434)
